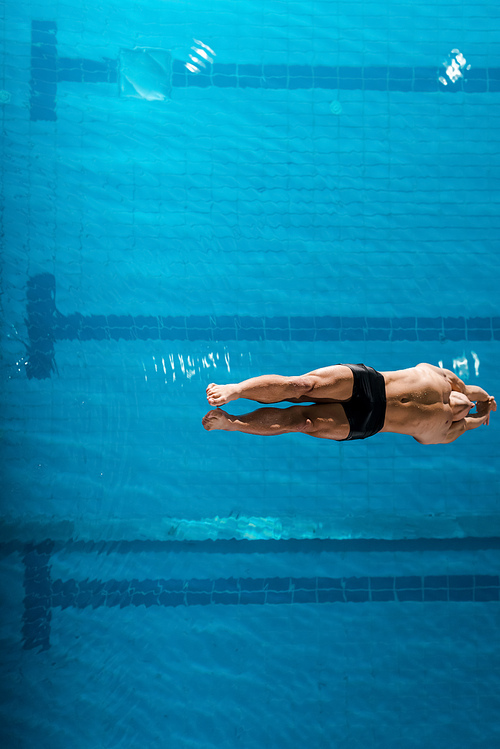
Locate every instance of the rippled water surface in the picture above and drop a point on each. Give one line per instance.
(203, 192)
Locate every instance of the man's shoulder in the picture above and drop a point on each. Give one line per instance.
(432, 367)
(445, 374)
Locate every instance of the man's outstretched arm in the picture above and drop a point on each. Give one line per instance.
(482, 416)
(476, 394)
(473, 392)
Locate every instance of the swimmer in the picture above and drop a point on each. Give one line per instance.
(351, 401)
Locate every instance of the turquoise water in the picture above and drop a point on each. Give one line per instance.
(314, 194)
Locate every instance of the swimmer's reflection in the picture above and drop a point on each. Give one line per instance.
(351, 401)
(320, 421)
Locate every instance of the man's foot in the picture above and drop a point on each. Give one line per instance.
(216, 419)
(219, 395)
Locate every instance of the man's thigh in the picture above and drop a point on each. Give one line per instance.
(333, 383)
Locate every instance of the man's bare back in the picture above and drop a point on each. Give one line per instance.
(422, 402)
(428, 403)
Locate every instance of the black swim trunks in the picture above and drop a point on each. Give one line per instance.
(365, 410)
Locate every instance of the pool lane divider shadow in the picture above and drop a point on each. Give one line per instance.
(46, 325)
(42, 594)
(48, 69)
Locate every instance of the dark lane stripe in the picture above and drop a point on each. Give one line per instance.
(281, 546)
(341, 77)
(38, 596)
(275, 590)
(43, 83)
(262, 546)
(48, 69)
(46, 326)
(42, 593)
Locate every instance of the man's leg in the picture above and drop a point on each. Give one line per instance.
(263, 421)
(327, 421)
(330, 383)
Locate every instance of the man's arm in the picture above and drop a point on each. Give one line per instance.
(474, 421)
(476, 394)
(473, 392)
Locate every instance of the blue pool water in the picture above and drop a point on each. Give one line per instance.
(308, 192)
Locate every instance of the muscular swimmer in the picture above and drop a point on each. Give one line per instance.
(351, 401)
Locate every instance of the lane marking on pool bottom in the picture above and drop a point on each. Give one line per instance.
(42, 594)
(155, 81)
(46, 325)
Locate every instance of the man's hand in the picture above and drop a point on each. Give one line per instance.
(484, 408)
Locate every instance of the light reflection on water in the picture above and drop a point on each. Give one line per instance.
(175, 367)
(200, 56)
(454, 64)
(461, 365)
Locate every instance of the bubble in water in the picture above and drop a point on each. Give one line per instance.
(200, 57)
(455, 63)
(336, 107)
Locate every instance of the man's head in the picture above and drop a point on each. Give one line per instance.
(460, 405)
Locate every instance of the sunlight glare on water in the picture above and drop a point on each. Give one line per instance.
(454, 64)
(199, 56)
(173, 367)
(461, 367)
